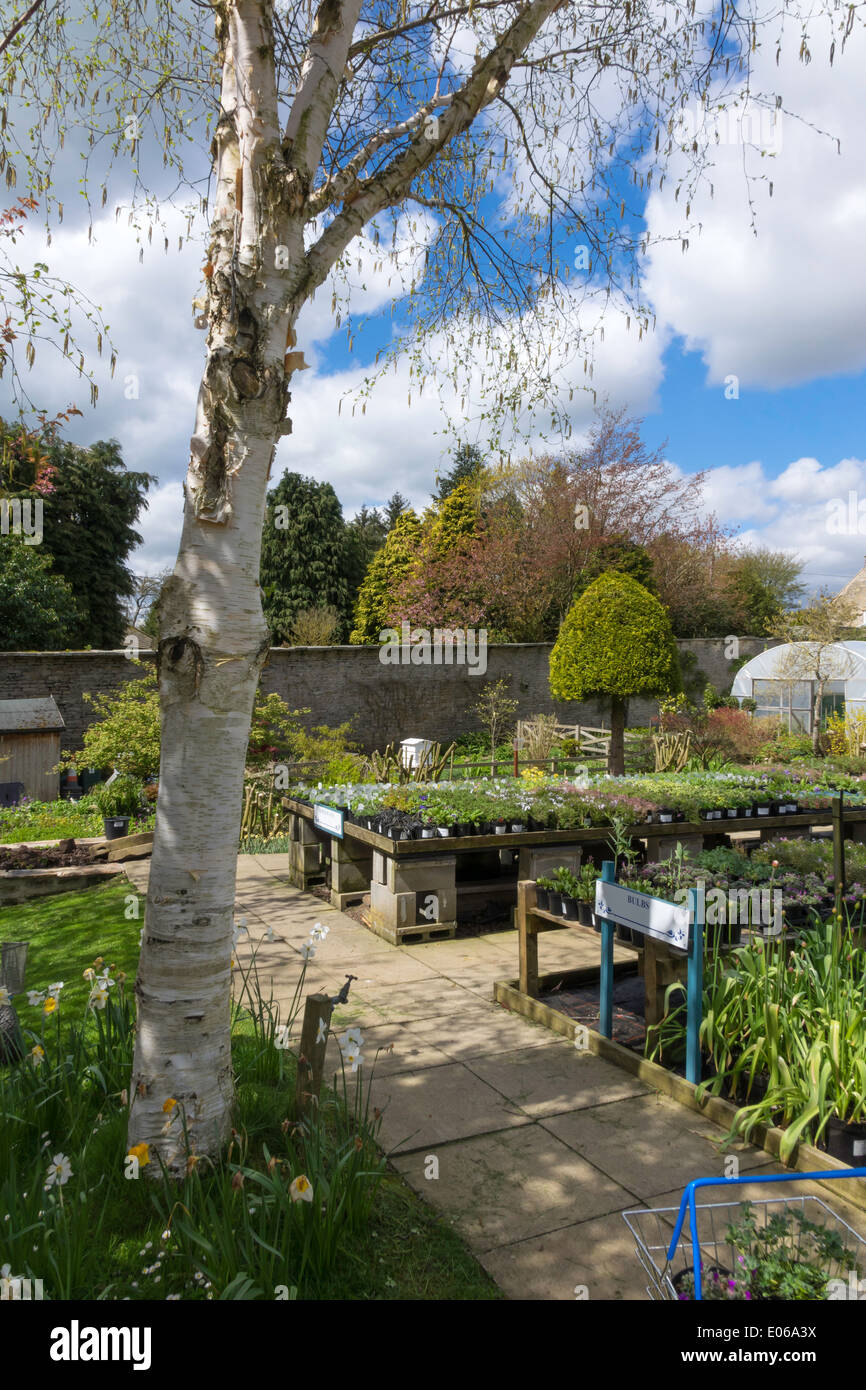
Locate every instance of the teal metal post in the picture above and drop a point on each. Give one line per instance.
(605, 988)
(695, 994)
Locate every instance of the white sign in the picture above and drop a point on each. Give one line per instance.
(651, 916)
(328, 818)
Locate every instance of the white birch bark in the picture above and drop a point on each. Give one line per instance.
(213, 639)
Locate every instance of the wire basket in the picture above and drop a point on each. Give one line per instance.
(669, 1245)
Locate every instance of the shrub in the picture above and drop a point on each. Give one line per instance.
(125, 736)
(785, 747)
(743, 734)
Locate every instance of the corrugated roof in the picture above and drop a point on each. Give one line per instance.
(23, 716)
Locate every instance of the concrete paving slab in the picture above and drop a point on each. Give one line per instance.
(557, 1079)
(502, 1188)
(398, 1003)
(422, 1109)
(387, 1050)
(481, 1029)
(648, 1144)
(593, 1260)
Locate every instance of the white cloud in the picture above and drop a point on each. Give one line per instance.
(787, 305)
(794, 512)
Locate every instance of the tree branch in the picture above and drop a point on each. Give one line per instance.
(392, 185)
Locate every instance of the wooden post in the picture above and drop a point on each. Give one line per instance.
(515, 759)
(527, 936)
(695, 986)
(838, 853)
(605, 984)
(314, 1041)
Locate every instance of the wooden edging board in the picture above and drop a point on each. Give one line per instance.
(643, 830)
(721, 1112)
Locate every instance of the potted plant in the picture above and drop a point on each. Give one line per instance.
(566, 887)
(586, 892)
(118, 800)
(543, 889)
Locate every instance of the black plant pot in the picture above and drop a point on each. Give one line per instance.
(569, 908)
(542, 898)
(115, 827)
(584, 914)
(763, 808)
(846, 1141)
(427, 832)
(666, 815)
(500, 828)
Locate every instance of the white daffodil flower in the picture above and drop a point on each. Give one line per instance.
(5, 996)
(98, 999)
(323, 1031)
(351, 1037)
(319, 932)
(35, 997)
(59, 1171)
(352, 1056)
(308, 950)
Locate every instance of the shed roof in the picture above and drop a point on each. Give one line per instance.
(39, 715)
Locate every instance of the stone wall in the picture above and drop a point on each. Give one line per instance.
(386, 702)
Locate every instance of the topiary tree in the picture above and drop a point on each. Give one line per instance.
(616, 643)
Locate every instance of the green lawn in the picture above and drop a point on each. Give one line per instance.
(403, 1250)
(67, 933)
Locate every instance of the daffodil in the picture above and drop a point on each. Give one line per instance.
(59, 1171)
(98, 999)
(5, 996)
(35, 997)
(89, 974)
(352, 1056)
(55, 989)
(308, 950)
(351, 1036)
(50, 1005)
(37, 1054)
(168, 1105)
(141, 1152)
(319, 932)
(301, 1190)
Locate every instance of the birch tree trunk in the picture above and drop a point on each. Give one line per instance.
(213, 638)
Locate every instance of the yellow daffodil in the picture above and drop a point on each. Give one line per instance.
(168, 1106)
(50, 1005)
(141, 1152)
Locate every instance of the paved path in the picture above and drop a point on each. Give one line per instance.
(539, 1148)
